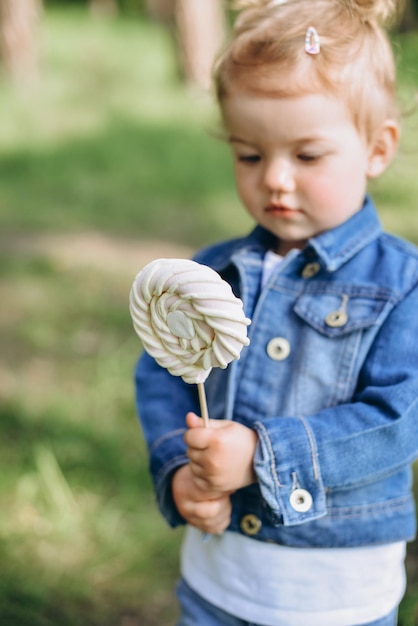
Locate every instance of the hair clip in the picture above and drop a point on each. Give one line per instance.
(312, 45)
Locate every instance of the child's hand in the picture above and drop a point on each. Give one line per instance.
(210, 512)
(221, 457)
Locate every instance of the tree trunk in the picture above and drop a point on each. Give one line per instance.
(408, 21)
(162, 10)
(103, 8)
(18, 39)
(201, 29)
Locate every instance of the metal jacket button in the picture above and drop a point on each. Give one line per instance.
(278, 348)
(250, 524)
(300, 500)
(310, 270)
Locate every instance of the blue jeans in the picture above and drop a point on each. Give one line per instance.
(195, 611)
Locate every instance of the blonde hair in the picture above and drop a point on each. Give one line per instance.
(267, 55)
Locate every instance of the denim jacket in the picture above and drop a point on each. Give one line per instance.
(329, 382)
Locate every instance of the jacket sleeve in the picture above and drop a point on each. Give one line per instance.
(352, 444)
(162, 402)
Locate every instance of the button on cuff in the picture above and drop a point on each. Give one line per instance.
(301, 500)
(294, 503)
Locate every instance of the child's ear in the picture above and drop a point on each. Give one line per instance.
(383, 148)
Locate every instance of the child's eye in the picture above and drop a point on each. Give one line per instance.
(249, 158)
(308, 157)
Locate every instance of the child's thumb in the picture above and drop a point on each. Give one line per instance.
(193, 421)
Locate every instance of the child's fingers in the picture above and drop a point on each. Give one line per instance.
(212, 516)
(196, 457)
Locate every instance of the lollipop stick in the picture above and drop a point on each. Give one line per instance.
(203, 404)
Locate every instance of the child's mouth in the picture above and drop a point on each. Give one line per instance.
(281, 210)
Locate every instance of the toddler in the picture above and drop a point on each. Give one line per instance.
(297, 499)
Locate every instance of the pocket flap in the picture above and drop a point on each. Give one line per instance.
(341, 311)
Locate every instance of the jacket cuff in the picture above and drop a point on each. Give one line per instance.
(286, 464)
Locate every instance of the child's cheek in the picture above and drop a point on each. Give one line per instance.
(322, 191)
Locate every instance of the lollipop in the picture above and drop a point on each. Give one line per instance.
(188, 319)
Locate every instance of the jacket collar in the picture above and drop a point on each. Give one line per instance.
(333, 248)
(337, 246)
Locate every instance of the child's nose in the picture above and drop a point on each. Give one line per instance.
(279, 176)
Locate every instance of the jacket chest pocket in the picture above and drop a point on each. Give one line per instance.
(345, 311)
(336, 330)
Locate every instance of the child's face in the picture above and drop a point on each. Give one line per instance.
(301, 166)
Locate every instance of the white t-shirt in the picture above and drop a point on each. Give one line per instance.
(275, 585)
(270, 261)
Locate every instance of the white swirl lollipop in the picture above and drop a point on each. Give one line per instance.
(188, 319)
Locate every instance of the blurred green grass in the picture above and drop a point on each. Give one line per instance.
(109, 142)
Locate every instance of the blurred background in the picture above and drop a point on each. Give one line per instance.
(108, 159)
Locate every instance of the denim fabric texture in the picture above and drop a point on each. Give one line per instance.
(337, 416)
(195, 611)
